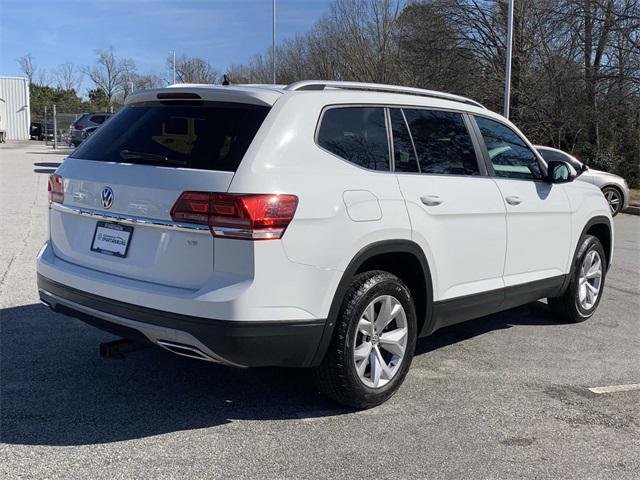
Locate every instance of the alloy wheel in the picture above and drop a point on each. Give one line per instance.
(380, 341)
(613, 199)
(589, 280)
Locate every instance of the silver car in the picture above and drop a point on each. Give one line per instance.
(614, 187)
(84, 121)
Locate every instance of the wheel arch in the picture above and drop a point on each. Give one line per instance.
(601, 228)
(393, 256)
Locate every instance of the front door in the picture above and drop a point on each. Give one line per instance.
(538, 212)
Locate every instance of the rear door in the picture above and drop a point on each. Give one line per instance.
(457, 213)
(120, 186)
(538, 212)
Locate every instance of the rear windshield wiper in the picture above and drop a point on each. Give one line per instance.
(150, 158)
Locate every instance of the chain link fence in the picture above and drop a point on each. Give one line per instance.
(56, 127)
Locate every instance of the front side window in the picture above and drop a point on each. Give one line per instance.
(510, 156)
(357, 134)
(442, 142)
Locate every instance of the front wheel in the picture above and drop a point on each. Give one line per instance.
(373, 343)
(614, 199)
(582, 296)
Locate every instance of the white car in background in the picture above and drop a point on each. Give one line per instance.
(614, 187)
(321, 224)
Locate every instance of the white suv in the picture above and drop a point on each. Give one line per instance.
(319, 224)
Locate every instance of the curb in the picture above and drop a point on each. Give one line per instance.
(633, 210)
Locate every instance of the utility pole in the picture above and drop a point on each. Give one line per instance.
(507, 73)
(55, 128)
(174, 67)
(273, 42)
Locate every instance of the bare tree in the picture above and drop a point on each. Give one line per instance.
(146, 81)
(68, 76)
(193, 70)
(111, 74)
(27, 66)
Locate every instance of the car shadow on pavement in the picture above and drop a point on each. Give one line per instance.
(51, 167)
(56, 390)
(536, 313)
(47, 164)
(52, 152)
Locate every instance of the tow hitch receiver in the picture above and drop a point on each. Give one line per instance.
(118, 348)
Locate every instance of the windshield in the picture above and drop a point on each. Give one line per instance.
(206, 135)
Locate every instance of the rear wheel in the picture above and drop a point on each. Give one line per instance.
(614, 199)
(373, 342)
(582, 296)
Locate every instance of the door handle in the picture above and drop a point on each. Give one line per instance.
(513, 200)
(431, 200)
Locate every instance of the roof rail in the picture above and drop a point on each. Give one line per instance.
(378, 87)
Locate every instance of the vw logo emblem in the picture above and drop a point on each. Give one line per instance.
(107, 197)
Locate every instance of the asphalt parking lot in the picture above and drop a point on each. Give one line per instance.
(505, 396)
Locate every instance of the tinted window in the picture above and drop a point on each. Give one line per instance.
(357, 134)
(208, 136)
(98, 118)
(442, 142)
(80, 119)
(510, 156)
(404, 155)
(552, 155)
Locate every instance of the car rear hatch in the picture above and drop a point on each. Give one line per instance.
(112, 198)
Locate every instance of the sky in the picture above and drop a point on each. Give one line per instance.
(221, 31)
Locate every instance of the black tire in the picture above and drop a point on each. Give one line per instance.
(336, 377)
(567, 307)
(612, 193)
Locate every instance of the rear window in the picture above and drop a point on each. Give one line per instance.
(357, 134)
(98, 119)
(205, 136)
(80, 118)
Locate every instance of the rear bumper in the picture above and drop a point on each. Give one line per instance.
(290, 343)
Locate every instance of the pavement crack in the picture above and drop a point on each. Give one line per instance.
(25, 238)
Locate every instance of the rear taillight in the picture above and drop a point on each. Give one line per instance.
(231, 215)
(55, 189)
(77, 126)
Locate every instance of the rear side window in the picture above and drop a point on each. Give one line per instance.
(510, 156)
(442, 142)
(205, 136)
(357, 134)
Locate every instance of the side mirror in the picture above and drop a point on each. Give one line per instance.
(560, 172)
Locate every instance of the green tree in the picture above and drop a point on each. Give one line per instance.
(42, 96)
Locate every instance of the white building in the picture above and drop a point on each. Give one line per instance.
(15, 112)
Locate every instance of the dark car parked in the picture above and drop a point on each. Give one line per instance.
(87, 120)
(40, 131)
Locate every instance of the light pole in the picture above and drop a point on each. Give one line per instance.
(273, 41)
(507, 73)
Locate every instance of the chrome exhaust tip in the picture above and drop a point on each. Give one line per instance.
(185, 350)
